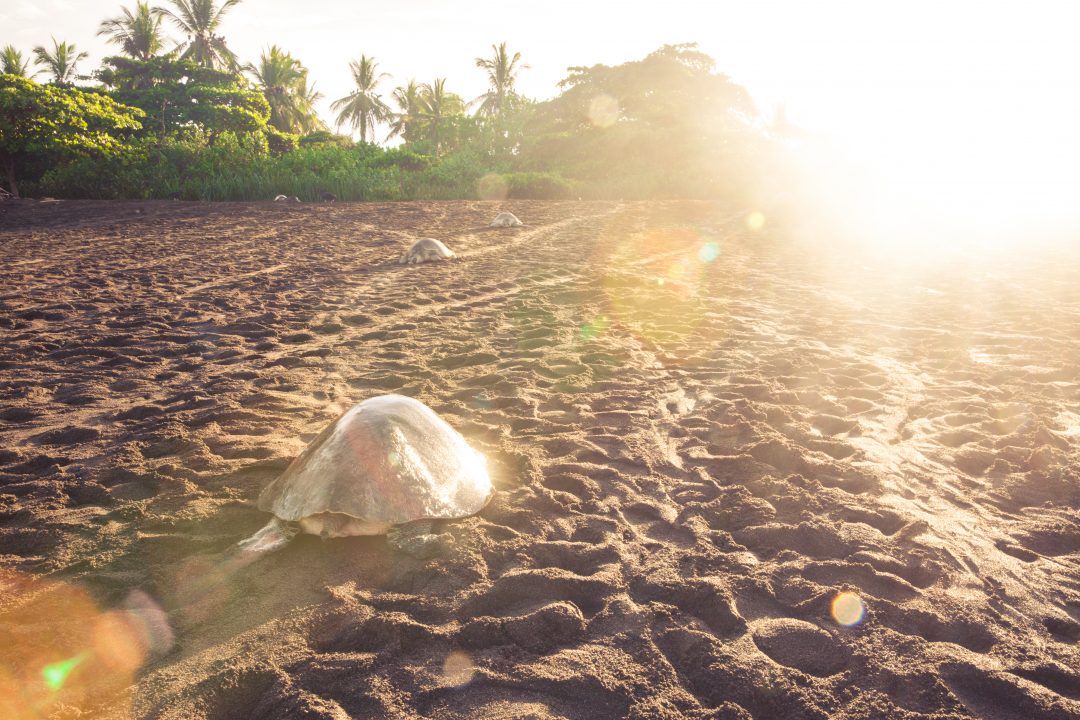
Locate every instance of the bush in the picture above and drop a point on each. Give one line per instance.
(232, 168)
(325, 137)
(138, 171)
(402, 158)
(452, 177)
(279, 142)
(539, 186)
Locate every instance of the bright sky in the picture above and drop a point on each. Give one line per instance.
(959, 103)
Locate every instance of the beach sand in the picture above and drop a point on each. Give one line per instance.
(739, 475)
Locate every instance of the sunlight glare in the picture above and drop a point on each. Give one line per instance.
(492, 187)
(458, 669)
(56, 674)
(593, 328)
(603, 111)
(709, 251)
(848, 609)
(755, 221)
(968, 140)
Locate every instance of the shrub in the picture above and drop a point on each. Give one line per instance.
(280, 142)
(325, 137)
(539, 186)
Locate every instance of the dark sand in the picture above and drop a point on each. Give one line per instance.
(695, 447)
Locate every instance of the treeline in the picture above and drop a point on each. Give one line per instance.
(195, 123)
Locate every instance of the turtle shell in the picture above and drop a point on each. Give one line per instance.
(389, 460)
(427, 250)
(506, 219)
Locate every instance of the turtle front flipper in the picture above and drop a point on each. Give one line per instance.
(419, 539)
(275, 535)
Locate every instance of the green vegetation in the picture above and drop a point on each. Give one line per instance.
(200, 20)
(42, 122)
(12, 63)
(59, 62)
(137, 33)
(155, 123)
(182, 99)
(284, 83)
(502, 71)
(362, 109)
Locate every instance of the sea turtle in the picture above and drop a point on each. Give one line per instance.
(390, 465)
(426, 250)
(506, 219)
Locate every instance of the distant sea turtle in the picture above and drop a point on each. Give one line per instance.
(505, 219)
(426, 250)
(390, 465)
(286, 198)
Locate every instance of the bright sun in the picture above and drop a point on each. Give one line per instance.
(947, 122)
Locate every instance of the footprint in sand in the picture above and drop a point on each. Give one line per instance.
(800, 645)
(554, 625)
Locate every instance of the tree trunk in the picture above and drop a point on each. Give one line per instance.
(9, 170)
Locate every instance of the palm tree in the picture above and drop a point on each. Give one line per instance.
(12, 63)
(405, 121)
(137, 33)
(199, 19)
(306, 98)
(502, 71)
(283, 80)
(362, 108)
(61, 62)
(436, 106)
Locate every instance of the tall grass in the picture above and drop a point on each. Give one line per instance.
(238, 169)
(234, 170)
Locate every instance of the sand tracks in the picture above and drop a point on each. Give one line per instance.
(699, 436)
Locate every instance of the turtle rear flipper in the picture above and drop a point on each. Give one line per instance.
(419, 539)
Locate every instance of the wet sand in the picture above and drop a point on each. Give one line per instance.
(700, 436)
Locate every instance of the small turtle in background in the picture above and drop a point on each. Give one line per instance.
(391, 466)
(287, 198)
(426, 250)
(328, 197)
(506, 219)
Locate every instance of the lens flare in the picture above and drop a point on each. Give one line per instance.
(593, 328)
(655, 281)
(458, 669)
(755, 221)
(709, 252)
(58, 649)
(126, 637)
(603, 111)
(492, 187)
(56, 674)
(848, 609)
